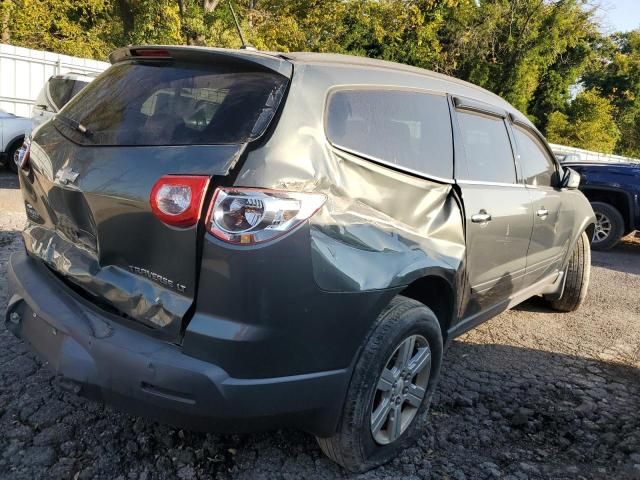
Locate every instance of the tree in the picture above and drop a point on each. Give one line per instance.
(73, 27)
(617, 76)
(511, 46)
(589, 123)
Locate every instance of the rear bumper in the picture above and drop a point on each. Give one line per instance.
(149, 377)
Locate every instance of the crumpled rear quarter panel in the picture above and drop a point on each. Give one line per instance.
(379, 228)
(305, 302)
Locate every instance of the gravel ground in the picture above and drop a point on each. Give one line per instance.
(531, 394)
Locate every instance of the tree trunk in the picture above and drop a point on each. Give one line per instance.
(126, 14)
(210, 5)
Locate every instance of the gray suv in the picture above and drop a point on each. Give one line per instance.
(234, 240)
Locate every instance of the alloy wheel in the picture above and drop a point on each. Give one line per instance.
(400, 389)
(603, 228)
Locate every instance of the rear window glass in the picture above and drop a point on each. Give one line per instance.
(147, 104)
(404, 128)
(61, 90)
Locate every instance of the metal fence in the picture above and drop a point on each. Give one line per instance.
(23, 73)
(574, 154)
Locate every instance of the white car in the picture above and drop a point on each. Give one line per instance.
(13, 130)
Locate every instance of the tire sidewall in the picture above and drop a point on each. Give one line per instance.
(617, 225)
(418, 320)
(11, 165)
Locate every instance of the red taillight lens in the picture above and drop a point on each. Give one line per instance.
(177, 199)
(150, 52)
(250, 215)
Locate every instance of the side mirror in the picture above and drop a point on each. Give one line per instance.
(570, 179)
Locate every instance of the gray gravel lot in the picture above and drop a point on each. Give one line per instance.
(530, 394)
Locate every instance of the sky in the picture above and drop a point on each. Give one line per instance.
(619, 15)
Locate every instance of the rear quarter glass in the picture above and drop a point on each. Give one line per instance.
(137, 103)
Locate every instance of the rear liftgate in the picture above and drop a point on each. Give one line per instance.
(115, 186)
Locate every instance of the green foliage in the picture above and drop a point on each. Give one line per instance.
(531, 52)
(73, 27)
(588, 123)
(617, 76)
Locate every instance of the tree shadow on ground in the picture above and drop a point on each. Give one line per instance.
(624, 257)
(499, 410)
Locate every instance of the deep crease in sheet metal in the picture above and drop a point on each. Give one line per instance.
(379, 228)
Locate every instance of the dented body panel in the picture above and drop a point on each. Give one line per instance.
(98, 231)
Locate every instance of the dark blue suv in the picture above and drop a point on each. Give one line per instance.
(614, 192)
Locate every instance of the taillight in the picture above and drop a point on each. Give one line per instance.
(24, 154)
(177, 199)
(250, 215)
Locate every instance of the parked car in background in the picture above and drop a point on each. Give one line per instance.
(614, 192)
(13, 130)
(56, 93)
(236, 240)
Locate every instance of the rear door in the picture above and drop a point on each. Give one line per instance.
(497, 207)
(93, 168)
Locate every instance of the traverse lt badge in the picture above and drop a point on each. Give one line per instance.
(66, 175)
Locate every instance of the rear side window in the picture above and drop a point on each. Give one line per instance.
(409, 129)
(538, 167)
(487, 148)
(160, 104)
(61, 90)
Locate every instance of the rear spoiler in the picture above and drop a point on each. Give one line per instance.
(167, 53)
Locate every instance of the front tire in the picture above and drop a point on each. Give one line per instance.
(609, 226)
(391, 388)
(577, 281)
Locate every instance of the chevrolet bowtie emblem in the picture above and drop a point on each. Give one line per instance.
(66, 175)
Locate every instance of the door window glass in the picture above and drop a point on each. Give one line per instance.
(537, 166)
(487, 148)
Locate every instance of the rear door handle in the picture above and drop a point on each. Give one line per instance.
(481, 217)
(543, 213)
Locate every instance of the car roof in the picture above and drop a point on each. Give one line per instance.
(474, 92)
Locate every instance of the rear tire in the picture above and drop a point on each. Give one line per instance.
(609, 226)
(11, 154)
(355, 446)
(577, 277)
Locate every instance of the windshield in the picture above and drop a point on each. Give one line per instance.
(169, 104)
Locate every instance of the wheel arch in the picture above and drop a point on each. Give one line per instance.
(437, 293)
(14, 141)
(617, 198)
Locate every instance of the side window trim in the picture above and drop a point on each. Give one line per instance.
(527, 129)
(461, 170)
(462, 103)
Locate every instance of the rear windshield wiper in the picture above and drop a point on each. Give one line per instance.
(75, 125)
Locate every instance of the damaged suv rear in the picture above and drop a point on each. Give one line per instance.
(234, 240)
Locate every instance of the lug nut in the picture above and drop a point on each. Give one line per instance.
(405, 390)
(14, 318)
(398, 400)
